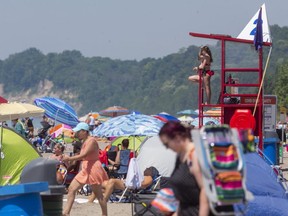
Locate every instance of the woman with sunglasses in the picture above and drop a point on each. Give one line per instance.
(91, 172)
(186, 179)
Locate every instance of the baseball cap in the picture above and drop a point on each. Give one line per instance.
(81, 126)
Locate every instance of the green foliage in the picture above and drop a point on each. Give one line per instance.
(281, 84)
(150, 85)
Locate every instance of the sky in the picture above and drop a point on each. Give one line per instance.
(124, 29)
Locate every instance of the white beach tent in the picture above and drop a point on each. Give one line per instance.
(154, 153)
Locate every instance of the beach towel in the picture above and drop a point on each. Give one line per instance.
(134, 176)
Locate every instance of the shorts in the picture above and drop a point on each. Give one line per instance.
(209, 72)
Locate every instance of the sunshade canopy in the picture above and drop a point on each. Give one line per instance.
(58, 110)
(114, 111)
(9, 111)
(129, 125)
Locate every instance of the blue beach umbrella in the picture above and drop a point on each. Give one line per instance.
(58, 110)
(206, 121)
(129, 125)
(166, 117)
(188, 112)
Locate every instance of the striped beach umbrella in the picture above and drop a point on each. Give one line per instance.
(129, 125)
(58, 110)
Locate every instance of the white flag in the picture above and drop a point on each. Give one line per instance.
(249, 31)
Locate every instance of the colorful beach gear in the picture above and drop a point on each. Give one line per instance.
(221, 159)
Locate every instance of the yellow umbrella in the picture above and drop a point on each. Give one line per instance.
(9, 111)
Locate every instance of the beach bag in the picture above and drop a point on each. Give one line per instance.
(103, 157)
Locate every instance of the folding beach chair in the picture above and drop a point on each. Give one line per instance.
(120, 170)
(220, 155)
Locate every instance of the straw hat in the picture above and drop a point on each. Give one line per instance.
(165, 201)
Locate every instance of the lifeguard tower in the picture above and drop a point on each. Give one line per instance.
(230, 102)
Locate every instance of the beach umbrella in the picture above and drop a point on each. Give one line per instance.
(188, 112)
(114, 111)
(215, 112)
(165, 117)
(136, 140)
(3, 100)
(83, 118)
(10, 111)
(58, 110)
(185, 118)
(206, 121)
(61, 129)
(129, 125)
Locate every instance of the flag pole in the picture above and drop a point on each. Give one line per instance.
(262, 81)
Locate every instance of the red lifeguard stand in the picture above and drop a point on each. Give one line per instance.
(228, 110)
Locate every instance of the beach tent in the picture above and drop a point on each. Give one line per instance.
(133, 140)
(154, 153)
(15, 152)
(269, 194)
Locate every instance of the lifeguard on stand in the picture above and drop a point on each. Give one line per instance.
(255, 33)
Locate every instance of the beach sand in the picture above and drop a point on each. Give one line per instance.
(87, 209)
(122, 209)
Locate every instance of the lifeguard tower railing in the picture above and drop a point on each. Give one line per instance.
(227, 110)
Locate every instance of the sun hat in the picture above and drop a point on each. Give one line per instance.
(81, 126)
(165, 200)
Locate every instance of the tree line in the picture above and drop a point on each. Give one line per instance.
(149, 86)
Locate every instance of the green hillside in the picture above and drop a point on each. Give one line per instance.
(149, 86)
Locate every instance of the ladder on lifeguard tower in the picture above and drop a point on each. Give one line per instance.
(247, 100)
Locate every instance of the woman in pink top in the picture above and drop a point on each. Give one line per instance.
(92, 171)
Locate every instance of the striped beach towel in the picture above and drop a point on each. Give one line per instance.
(224, 156)
(229, 187)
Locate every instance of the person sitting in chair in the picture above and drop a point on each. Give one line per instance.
(74, 166)
(62, 166)
(122, 158)
(150, 174)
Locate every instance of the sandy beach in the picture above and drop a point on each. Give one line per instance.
(83, 208)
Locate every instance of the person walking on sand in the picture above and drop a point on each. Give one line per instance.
(92, 171)
(205, 57)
